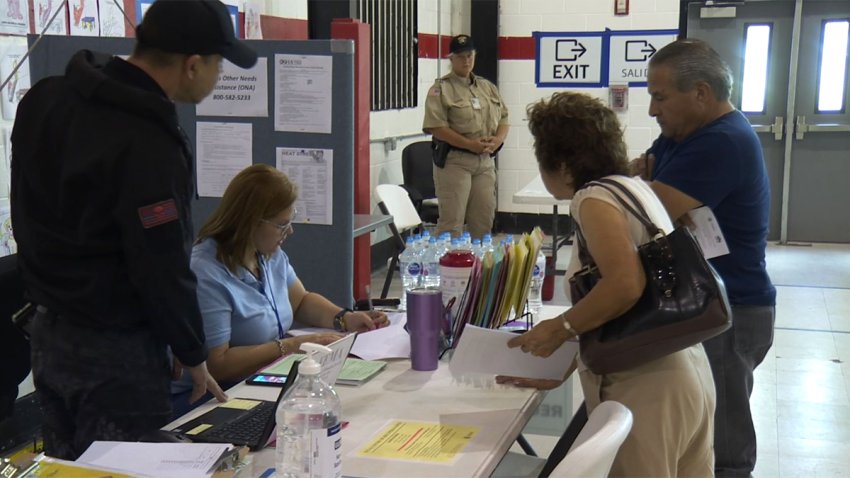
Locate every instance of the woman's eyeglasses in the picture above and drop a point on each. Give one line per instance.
(285, 228)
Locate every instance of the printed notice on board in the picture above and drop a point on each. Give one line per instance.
(312, 171)
(303, 93)
(419, 441)
(239, 92)
(224, 149)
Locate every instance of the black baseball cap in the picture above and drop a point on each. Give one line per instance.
(193, 27)
(460, 44)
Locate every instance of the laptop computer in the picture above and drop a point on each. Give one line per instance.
(241, 421)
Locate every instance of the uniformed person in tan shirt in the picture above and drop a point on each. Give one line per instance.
(467, 112)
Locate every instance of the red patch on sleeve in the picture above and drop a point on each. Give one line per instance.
(158, 213)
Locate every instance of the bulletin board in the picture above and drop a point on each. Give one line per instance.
(322, 254)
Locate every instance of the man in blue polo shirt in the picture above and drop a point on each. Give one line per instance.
(708, 154)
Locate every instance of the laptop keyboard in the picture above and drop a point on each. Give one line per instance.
(247, 429)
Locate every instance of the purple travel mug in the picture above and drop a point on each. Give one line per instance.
(424, 307)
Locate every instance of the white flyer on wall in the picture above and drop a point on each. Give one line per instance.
(224, 149)
(8, 246)
(253, 26)
(239, 92)
(111, 19)
(303, 93)
(19, 82)
(44, 10)
(14, 17)
(85, 19)
(311, 170)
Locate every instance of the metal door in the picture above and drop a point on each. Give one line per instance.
(807, 152)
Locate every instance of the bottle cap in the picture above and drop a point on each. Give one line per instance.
(309, 366)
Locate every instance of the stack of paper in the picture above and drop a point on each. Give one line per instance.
(498, 285)
(125, 459)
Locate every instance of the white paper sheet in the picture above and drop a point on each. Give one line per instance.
(707, 232)
(8, 245)
(15, 17)
(44, 10)
(111, 19)
(224, 149)
(253, 28)
(239, 92)
(85, 19)
(391, 341)
(14, 49)
(312, 171)
(485, 351)
(164, 460)
(303, 93)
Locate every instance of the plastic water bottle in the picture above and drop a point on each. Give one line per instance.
(476, 248)
(535, 301)
(431, 264)
(466, 239)
(410, 266)
(309, 438)
(487, 244)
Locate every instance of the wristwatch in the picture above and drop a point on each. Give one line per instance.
(339, 320)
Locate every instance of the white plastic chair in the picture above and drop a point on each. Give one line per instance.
(596, 446)
(395, 201)
(591, 454)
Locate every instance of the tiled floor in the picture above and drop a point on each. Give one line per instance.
(801, 401)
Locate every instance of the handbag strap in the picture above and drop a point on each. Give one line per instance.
(638, 211)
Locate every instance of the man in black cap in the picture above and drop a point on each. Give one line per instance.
(467, 112)
(101, 191)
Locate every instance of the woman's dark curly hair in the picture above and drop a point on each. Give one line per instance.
(578, 134)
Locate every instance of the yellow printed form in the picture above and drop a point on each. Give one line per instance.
(239, 403)
(420, 441)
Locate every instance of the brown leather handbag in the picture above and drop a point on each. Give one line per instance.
(684, 302)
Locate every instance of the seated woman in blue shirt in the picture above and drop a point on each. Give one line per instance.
(247, 289)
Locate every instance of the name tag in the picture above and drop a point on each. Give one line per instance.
(476, 103)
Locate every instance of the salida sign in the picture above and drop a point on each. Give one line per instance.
(629, 54)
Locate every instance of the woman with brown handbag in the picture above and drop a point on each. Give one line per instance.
(578, 140)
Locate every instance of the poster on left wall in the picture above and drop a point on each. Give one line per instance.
(14, 17)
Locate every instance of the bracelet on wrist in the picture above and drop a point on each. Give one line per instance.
(569, 327)
(339, 320)
(282, 346)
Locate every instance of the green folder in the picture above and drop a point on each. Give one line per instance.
(354, 371)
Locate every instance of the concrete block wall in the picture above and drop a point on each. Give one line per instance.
(518, 19)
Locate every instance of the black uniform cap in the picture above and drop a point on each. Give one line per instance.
(460, 44)
(193, 27)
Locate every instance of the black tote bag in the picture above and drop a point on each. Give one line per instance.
(684, 302)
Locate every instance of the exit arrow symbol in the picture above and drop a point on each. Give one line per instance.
(569, 50)
(639, 50)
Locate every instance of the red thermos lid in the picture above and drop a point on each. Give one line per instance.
(457, 258)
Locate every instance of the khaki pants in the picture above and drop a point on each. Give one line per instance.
(672, 400)
(466, 190)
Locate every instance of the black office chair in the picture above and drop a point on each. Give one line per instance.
(418, 173)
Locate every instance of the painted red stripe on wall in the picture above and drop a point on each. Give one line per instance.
(428, 43)
(510, 48)
(516, 48)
